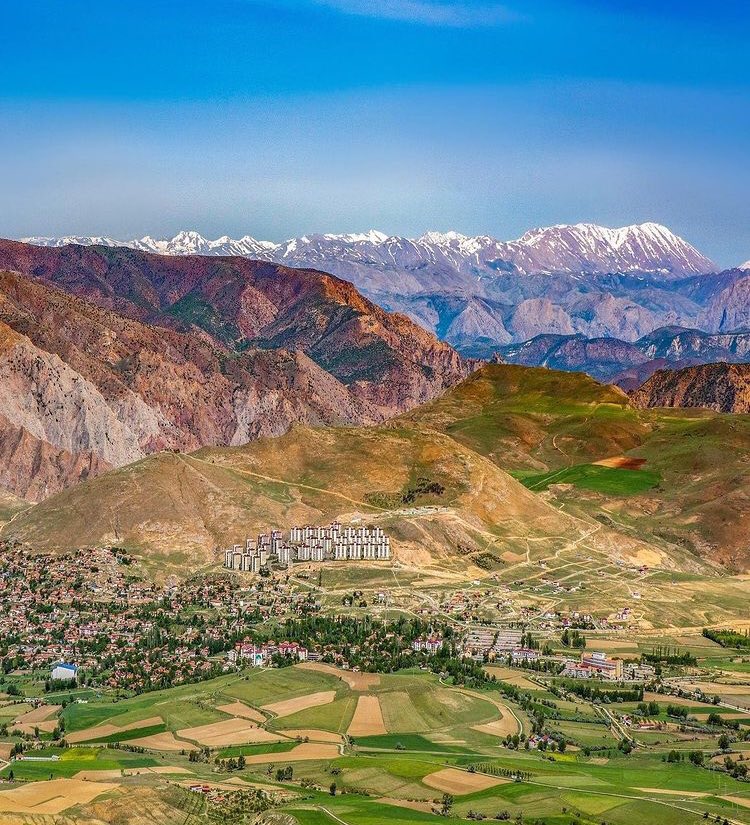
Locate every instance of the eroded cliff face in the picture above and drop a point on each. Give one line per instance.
(109, 371)
(721, 387)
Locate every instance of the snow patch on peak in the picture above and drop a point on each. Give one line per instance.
(442, 237)
(372, 236)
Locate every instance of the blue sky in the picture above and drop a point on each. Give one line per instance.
(280, 117)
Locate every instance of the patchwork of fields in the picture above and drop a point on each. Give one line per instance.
(391, 746)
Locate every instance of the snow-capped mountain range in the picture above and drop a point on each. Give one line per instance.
(579, 248)
(479, 293)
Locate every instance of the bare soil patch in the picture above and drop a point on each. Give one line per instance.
(673, 700)
(356, 681)
(243, 711)
(51, 797)
(229, 732)
(622, 462)
(452, 780)
(368, 718)
(669, 792)
(166, 741)
(507, 724)
(738, 800)
(289, 706)
(47, 726)
(98, 776)
(103, 731)
(501, 727)
(611, 644)
(710, 688)
(307, 751)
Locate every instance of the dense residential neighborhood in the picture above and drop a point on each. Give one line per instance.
(104, 625)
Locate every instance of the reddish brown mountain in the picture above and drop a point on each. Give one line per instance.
(721, 387)
(149, 353)
(237, 303)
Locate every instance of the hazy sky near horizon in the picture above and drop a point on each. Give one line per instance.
(277, 118)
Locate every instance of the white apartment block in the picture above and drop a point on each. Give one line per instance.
(309, 543)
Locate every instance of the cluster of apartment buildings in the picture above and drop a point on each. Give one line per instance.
(309, 543)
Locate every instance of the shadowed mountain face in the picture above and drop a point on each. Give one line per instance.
(108, 355)
(721, 387)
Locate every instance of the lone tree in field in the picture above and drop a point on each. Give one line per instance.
(446, 806)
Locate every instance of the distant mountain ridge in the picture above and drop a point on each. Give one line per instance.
(478, 293)
(582, 247)
(625, 363)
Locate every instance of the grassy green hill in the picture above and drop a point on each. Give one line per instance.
(549, 429)
(534, 418)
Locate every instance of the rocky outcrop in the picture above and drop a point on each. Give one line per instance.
(721, 387)
(238, 304)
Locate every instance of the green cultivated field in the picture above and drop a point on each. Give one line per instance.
(73, 760)
(608, 480)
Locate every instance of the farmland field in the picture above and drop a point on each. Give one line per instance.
(430, 738)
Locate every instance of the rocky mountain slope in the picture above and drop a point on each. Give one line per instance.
(721, 387)
(628, 364)
(479, 292)
(180, 353)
